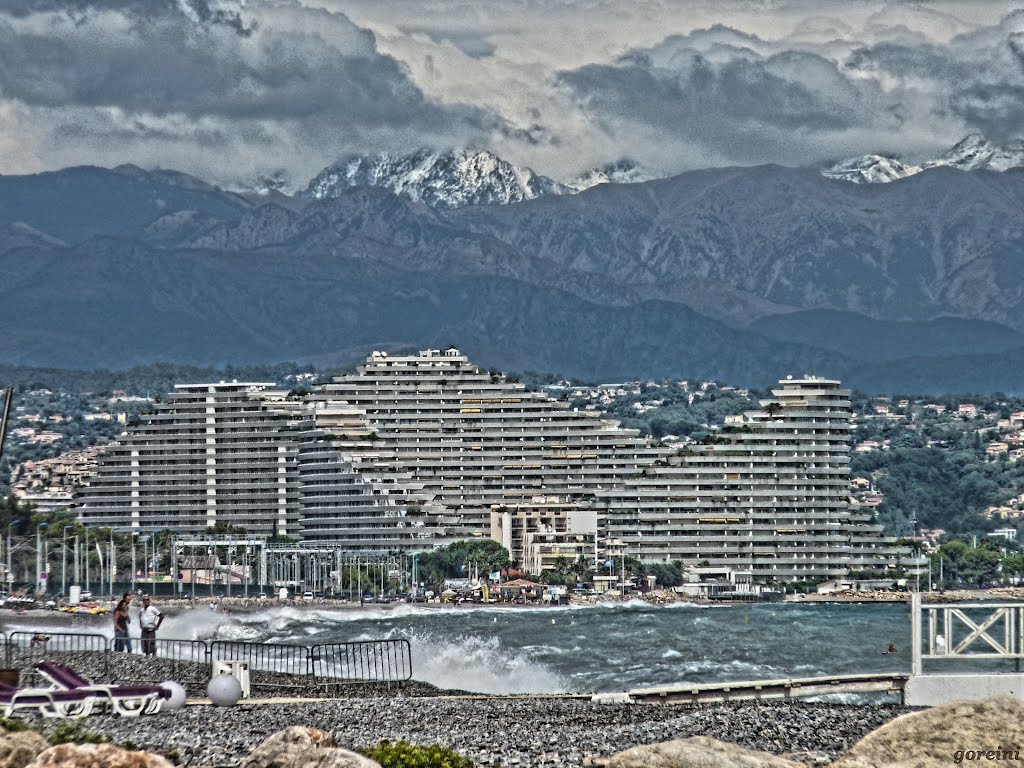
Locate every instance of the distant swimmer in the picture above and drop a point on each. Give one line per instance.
(890, 649)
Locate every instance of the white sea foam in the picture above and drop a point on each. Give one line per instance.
(199, 624)
(480, 665)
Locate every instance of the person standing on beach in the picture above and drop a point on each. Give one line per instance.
(121, 618)
(150, 620)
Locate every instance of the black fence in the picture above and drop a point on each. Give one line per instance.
(367, 661)
(272, 667)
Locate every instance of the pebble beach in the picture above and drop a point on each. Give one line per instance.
(509, 731)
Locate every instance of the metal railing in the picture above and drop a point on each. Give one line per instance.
(371, 661)
(966, 631)
(271, 666)
(185, 661)
(87, 652)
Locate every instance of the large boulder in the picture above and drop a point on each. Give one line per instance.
(96, 756)
(298, 747)
(696, 752)
(19, 748)
(969, 731)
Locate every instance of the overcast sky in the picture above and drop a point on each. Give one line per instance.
(231, 90)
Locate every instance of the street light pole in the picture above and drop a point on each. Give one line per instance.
(86, 553)
(39, 555)
(64, 561)
(112, 563)
(133, 561)
(10, 561)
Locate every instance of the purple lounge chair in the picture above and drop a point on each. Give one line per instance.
(125, 700)
(72, 704)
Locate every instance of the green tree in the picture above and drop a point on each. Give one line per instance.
(980, 566)
(952, 554)
(461, 559)
(1013, 566)
(226, 529)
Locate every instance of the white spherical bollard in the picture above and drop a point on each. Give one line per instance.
(224, 690)
(178, 695)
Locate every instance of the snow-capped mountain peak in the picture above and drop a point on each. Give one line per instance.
(973, 152)
(871, 169)
(622, 171)
(439, 179)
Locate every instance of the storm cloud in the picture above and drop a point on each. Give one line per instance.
(232, 90)
(821, 93)
(278, 78)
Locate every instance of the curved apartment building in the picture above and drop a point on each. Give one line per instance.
(414, 451)
(769, 496)
(207, 454)
(472, 441)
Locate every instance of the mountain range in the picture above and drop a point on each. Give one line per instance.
(740, 274)
(454, 179)
(973, 153)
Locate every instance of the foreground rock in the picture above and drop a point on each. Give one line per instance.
(96, 756)
(987, 730)
(298, 747)
(19, 748)
(696, 752)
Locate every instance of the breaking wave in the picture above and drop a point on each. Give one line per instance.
(589, 648)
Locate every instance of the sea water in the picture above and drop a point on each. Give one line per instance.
(585, 649)
(607, 647)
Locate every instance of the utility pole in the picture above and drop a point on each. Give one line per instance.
(4, 416)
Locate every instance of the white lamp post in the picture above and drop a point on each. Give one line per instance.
(10, 561)
(40, 578)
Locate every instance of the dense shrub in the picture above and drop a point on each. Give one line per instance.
(402, 754)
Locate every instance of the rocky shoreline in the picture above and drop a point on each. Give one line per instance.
(508, 731)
